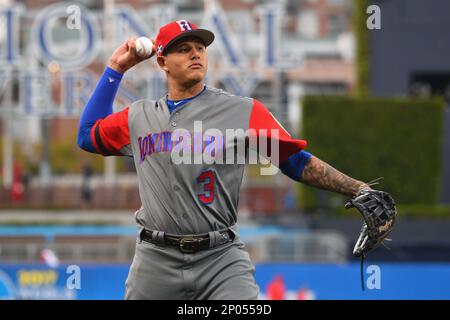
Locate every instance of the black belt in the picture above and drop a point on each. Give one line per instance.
(186, 244)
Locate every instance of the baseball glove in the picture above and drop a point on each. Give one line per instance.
(379, 213)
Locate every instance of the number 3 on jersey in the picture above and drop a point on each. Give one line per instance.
(206, 183)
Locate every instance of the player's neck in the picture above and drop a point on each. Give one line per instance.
(177, 92)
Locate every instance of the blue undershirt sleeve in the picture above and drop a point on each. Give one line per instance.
(294, 165)
(99, 106)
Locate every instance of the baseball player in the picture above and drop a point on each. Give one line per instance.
(188, 245)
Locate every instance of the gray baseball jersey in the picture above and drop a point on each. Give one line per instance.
(190, 165)
(182, 190)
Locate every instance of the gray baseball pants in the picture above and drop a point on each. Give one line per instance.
(224, 272)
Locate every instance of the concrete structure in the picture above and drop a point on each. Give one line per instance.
(409, 57)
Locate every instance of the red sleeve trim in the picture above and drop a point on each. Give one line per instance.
(261, 118)
(111, 134)
(93, 139)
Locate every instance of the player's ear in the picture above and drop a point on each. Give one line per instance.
(162, 63)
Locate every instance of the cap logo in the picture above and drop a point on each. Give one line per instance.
(184, 25)
(159, 50)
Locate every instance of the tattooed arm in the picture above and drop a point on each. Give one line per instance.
(321, 175)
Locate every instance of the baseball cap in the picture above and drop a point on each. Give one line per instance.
(179, 29)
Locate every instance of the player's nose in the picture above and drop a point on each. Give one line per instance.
(195, 53)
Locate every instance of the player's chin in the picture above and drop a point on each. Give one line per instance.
(196, 75)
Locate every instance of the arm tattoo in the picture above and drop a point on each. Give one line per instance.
(319, 174)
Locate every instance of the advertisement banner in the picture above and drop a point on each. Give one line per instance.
(276, 281)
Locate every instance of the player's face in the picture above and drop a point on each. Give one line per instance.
(187, 62)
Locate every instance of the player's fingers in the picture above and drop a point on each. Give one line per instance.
(121, 50)
(132, 49)
(153, 47)
(124, 46)
(131, 43)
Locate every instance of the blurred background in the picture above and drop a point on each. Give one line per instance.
(367, 83)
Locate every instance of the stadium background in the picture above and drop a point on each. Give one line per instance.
(372, 102)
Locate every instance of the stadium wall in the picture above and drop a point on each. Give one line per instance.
(288, 281)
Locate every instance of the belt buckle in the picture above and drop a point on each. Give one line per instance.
(187, 245)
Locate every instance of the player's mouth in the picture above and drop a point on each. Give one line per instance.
(196, 66)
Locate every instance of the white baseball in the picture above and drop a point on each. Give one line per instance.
(144, 47)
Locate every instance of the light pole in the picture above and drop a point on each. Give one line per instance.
(108, 25)
(7, 126)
